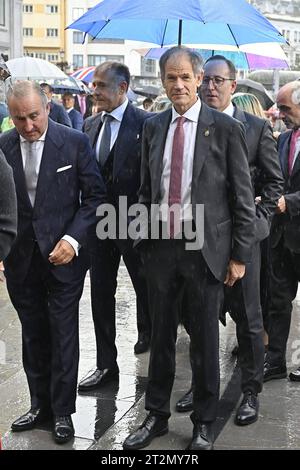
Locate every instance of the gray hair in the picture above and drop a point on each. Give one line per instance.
(295, 96)
(193, 56)
(119, 72)
(22, 88)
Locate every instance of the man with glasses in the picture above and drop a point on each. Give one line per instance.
(243, 300)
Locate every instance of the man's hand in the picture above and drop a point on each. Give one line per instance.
(63, 253)
(281, 206)
(235, 272)
(2, 277)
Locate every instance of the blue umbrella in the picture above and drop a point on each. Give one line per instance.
(167, 22)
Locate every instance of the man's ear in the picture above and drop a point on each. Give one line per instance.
(123, 88)
(48, 108)
(233, 86)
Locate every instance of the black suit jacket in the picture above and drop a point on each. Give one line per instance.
(76, 119)
(220, 169)
(287, 225)
(59, 114)
(68, 192)
(126, 152)
(266, 175)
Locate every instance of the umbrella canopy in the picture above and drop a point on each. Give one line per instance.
(167, 22)
(30, 68)
(250, 86)
(85, 73)
(249, 57)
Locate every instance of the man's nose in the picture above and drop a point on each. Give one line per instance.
(28, 125)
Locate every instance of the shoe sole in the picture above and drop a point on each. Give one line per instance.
(294, 379)
(146, 443)
(63, 440)
(113, 378)
(29, 427)
(275, 376)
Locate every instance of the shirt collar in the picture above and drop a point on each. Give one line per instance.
(118, 112)
(41, 139)
(229, 110)
(69, 110)
(192, 114)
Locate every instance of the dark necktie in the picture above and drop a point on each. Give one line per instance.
(31, 170)
(104, 148)
(176, 171)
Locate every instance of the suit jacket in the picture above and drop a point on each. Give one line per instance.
(76, 119)
(126, 152)
(59, 114)
(265, 170)
(287, 225)
(8, 208)
(68, 192)
(220, 168)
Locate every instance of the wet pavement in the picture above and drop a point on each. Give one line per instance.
(106, 416)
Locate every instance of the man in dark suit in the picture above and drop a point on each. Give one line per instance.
(84, 104)
(285, 241)
(243, 300)
(75, 116)
(120, 168)
(193, 157)
(58, 190)
(57, 112)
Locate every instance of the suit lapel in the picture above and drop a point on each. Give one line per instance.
(240, 116)
(94, 129)
(156, 162)
(127, 134)
(204, 136)
(284, 155)
(16, 162)
(49, 163)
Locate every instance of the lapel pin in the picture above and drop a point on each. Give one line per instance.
(206, 133)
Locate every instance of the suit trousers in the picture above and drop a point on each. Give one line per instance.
(48, 311)
(105, 261)
(243, 301)
(285, 275)
(171, 271)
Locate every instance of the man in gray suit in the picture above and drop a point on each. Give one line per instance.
(189, 159)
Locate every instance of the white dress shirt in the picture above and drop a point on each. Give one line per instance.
(115, 124)
(39, 148)
(190, 131)
(229, 110)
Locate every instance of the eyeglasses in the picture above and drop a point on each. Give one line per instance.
(216, 81)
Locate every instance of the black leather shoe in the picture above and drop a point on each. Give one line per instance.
(274, 372)
(247, 412)
(202, 437)
(98, 378)
(185, 403)
(153, 426)
(142, 345)
(295, 376)
(63, 429)
(30, 419)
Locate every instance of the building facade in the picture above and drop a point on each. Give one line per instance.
(11, 28)
(285, 16)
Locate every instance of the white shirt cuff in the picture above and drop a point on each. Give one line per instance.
(73, 243)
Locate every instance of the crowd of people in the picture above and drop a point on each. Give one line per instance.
(231, 191)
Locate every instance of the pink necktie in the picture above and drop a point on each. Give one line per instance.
(295, 136)
(82, 105)
(176, 171)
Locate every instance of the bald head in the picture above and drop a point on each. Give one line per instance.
(288, 103)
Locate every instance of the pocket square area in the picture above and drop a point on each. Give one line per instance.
(63, 168)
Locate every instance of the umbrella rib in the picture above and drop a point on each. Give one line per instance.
(164, 33)
(94, 37)
(236, 43)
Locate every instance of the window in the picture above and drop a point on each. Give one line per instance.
(77, 12)
(148, 66)
(51, 9)
(78, 37)
(53, 57)
(27, 8)
(2, 12)
(27, 32)
(52, 32)
(40, 55)
(77, 61)
(99, 59)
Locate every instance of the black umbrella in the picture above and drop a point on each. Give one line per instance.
(246, 85)
(150, 91)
